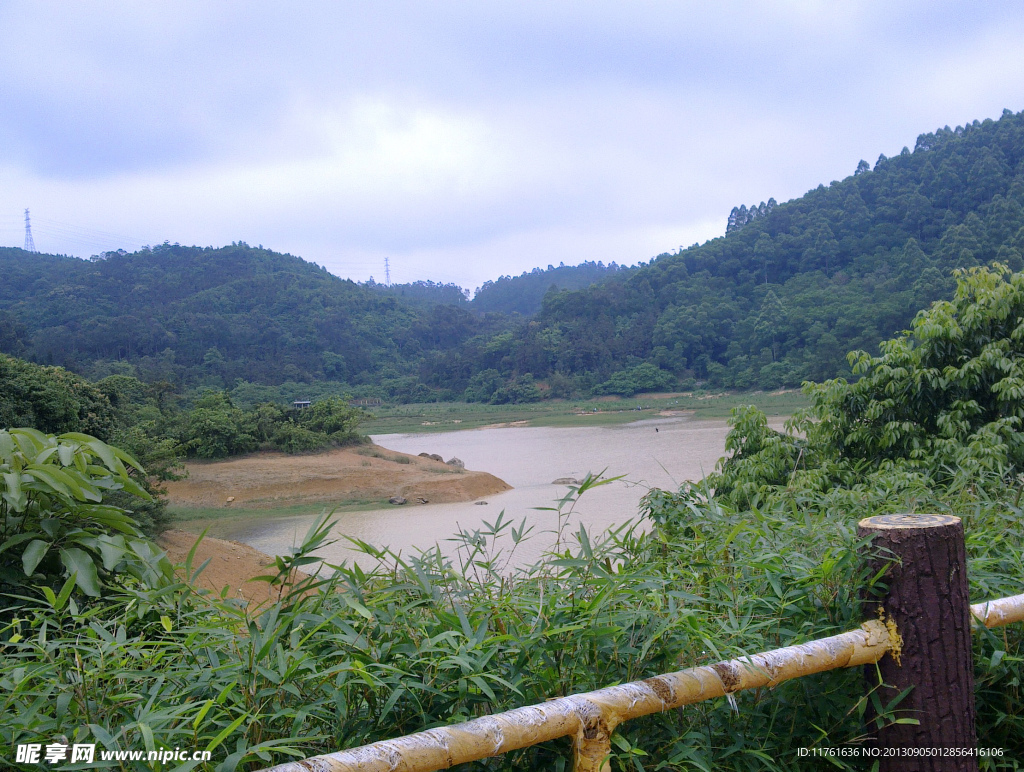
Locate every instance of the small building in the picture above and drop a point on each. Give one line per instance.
(301, 404)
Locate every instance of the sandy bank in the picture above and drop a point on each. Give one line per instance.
(232, 565)
(367, 473)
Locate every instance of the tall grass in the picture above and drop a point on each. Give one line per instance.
(351, 656)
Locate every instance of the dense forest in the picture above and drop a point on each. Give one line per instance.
(777, 300)
(784, 294)
(524, 294)
(214, 317)
(423, 294)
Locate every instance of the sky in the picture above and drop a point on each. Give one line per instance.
(462, 141)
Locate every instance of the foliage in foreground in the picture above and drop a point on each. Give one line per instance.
(422, 642)
(55, 527)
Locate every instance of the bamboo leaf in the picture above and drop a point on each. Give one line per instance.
(33, 554)
(79, 564)
(227, 731)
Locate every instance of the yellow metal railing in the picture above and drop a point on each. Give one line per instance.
(591, 718)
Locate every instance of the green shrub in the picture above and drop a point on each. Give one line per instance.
(59, 528)
(297, 439)
(334, 418)
(517, 391)
(215, 428)
(483, 385)
(643, 377)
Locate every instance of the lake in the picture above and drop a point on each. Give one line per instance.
(653, 453)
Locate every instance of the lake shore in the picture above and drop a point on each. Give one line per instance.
(441, 417)
(660, 446)
(366, 474)
(231, 564)
(657, 452)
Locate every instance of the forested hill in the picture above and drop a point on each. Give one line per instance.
(524, 294)
(783, 295)
(208, 316)
(423, 294)
(780, 298)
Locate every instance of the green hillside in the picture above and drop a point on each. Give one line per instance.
(524, 294)
(784, 294)
(424, 294)
(213, 316)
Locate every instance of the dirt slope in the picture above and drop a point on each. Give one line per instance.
(232, 564)
(368, 473)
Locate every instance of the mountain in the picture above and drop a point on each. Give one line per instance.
(780, 298)
(523, 294)
(204, 316)
(787, 291)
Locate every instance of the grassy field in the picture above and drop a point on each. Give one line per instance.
(452, 416)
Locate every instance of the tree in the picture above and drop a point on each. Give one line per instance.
(333, 417)
(215, 428)
(645, 377)
(12, 334)
(769, 324)
(956, 377)
(483, 385)
(57, 530)
(942, 404)
(518, 390)
(52, 400)
(764, 252)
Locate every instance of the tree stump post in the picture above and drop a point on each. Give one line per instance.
(929, 603)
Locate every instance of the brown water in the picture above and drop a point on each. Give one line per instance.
(654, 453)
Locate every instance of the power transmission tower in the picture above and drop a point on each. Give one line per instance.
(30, 244)
(387, 271)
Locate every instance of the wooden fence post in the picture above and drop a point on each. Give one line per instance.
(928, 602)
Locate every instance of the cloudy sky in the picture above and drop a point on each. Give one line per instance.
(465, 140)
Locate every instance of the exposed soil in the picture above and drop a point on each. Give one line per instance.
(232, 564)
(368, 473)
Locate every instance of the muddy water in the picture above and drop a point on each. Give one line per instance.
(655, 453)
